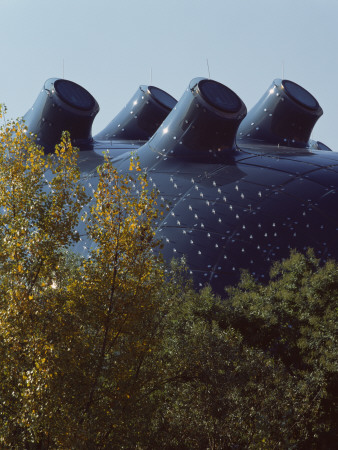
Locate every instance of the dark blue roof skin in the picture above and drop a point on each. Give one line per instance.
(231, 203)
(245, 215)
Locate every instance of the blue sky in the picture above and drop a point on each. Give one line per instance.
(111, 47)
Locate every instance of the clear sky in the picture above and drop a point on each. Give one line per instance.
(110, 47)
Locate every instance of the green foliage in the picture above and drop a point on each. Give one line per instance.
(217, 390)
(73, 331)
(36, 226)
(108, 351)
(296, 312)
(294, 318)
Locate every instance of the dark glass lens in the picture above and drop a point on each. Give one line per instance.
(162, 97)
(219, 96)
(300, 95)
(74, 95)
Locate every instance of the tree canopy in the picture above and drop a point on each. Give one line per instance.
(114, 350)
(73, 329)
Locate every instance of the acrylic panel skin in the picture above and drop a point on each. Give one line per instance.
(240, 189)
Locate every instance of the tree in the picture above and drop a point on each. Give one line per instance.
(37, 224)
(216, 390)
(109, 350)
(117, 284)
(73, 329)
(294, 318)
